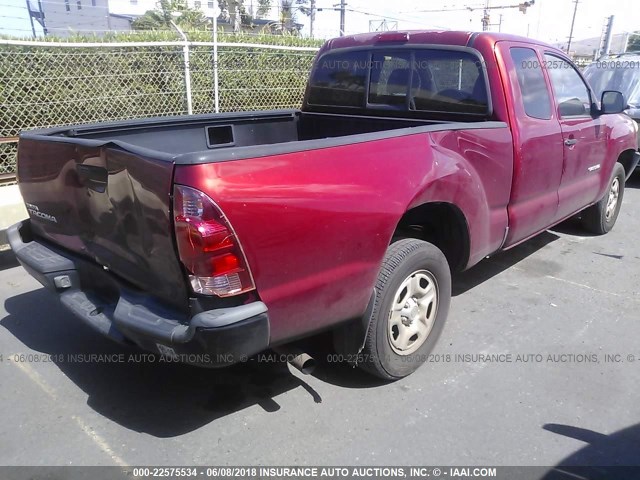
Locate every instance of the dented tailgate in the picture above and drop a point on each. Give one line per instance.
(107, 204)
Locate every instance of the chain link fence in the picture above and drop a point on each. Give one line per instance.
(46, 84)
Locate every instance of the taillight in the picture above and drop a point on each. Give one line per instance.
(208, 246)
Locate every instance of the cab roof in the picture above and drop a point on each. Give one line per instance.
(432, 37)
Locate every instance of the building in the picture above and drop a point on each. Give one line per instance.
(62, 18)
(226, 22)
(140, 7)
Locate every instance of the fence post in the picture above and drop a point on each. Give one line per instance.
(187, 67)
(187, 78)
(216, 85)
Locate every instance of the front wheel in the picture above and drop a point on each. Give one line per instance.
(601, 217)
(411, 304)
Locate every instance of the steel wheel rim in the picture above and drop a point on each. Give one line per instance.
(612, 201)
(413, 312)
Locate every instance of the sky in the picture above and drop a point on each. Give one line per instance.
(547, 20)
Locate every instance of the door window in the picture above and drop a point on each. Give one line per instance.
(533, 88)
(572, 94)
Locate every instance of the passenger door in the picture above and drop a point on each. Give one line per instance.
(537, 141)
(583, 137)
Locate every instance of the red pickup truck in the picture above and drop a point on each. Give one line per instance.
(415, 154)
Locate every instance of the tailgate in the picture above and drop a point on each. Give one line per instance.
(106, 204)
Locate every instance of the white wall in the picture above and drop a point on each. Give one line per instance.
(63, 17)
(139, 7)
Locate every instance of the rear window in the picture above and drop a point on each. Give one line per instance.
(340, 80)
(420, 80)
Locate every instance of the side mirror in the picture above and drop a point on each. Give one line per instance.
(612, 102)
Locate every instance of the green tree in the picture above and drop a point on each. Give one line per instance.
(287, 11)
(235, 13)
(263, 8)
(168, 10)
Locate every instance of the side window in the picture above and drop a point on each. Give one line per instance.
(535, 94)
(571, 92)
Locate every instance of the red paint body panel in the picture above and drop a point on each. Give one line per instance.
(315, 225)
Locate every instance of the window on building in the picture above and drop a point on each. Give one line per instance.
(93, 3)
(79, 4)
(66, 6)
(533, 88)
(210, 5)
(197, 4)
(133, 2)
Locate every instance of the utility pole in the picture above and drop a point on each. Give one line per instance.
(485, 17)
(312, 17)
(608, 36)
(343, 11)
(573, 22)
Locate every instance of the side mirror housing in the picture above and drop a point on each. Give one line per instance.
(612, 102)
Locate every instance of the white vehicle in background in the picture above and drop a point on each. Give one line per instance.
(620, 72)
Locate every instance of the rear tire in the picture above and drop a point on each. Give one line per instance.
(413, 294)
(601, 217)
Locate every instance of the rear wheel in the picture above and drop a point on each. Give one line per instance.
(413, 293)
(601, 217)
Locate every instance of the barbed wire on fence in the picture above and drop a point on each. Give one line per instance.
(45, 84)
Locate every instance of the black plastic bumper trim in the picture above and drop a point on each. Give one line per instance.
(229, 333)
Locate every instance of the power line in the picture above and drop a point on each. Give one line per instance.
(382, 15)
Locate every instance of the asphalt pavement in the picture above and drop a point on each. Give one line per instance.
(539, 364)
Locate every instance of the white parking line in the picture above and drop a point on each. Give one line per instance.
(101, 442)
(35, 377)
(576, 284)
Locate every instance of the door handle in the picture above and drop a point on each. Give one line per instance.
(92, 177)
(570, 142)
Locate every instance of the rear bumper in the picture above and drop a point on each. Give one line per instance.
(213, 338)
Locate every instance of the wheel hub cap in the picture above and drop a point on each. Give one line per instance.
(413, 312)
(612, 201)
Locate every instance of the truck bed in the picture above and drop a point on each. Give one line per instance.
(104, 191)
(218, 137)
